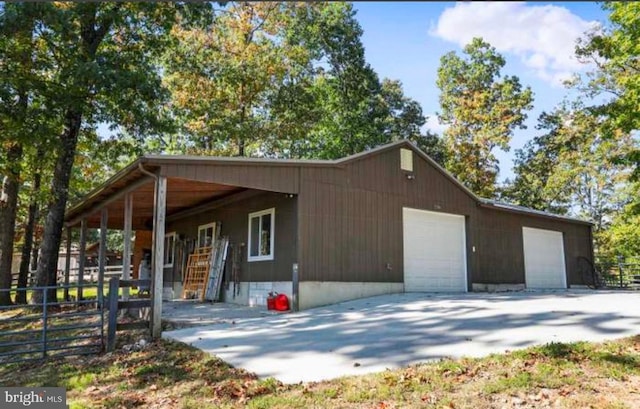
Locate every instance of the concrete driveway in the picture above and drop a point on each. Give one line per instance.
(391, 331)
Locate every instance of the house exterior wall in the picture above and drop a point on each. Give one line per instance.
(234, 224)
(351, 218)
(350, 227)
(500, 249)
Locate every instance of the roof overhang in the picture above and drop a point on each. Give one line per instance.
(135, 180)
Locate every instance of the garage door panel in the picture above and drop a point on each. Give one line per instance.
(434, 251)
(544, 258)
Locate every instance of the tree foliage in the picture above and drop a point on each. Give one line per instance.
(22, 115)
(615, 52)
(284, 80)
(89, 63)
(225, 75)
(481, 109)
(571, 168)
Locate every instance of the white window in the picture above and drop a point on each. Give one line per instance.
(261, 227)
(206, 234)
(169, 248)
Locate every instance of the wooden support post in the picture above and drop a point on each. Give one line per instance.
(126, 254)
(159, 216)
(67, 265)
(102, 254)
(114, 283)
(82, 256)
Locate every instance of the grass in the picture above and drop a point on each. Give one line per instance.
(169, 374)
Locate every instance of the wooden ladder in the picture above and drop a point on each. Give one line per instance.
(197, 276)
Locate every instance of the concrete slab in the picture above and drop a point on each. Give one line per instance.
(391, 331)
(189, 313)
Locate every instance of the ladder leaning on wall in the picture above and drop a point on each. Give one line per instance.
(216, 270)
(197, 276)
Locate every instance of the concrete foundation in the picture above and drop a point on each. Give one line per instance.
(496, 288)
(319, 293)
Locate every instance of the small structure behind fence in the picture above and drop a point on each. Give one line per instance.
(51, 328)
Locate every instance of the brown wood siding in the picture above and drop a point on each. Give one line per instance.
(501, 249)
(357, 212)
(271, 178)
(351, 224)
(234, 218)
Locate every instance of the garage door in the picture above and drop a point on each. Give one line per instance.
(434, 252)
(544, 258)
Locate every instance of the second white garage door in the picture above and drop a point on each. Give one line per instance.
(544, 258)
(434, 251)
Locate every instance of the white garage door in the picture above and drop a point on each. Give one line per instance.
(544, 258)
(434, 252)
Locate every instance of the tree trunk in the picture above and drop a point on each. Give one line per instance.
(48, 261)
(8, 220)
(23, 275)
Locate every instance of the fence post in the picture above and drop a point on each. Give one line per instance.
(44, 322)
(114, 285)
(620, 269)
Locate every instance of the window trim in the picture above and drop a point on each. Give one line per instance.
(173, 256)
(204, 227)
(270, 256)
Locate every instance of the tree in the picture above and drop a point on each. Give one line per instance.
(572, 168)
(105, 70)
(481, 110)
(403, 119)
(347, 90)
(224, 76)
(37, 164)
(615, 51)
(534, 167)
(283, 80)
(19, 118)
(622, 237)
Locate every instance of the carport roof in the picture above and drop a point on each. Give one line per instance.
(181, 194)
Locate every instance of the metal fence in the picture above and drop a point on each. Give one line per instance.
(51, 328)
(619, 272)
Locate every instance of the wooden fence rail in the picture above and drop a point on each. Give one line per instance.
(116, 304)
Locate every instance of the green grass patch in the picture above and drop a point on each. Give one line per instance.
(169, 374)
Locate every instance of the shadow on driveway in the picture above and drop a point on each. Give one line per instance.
(390, 331)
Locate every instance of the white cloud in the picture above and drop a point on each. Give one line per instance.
(543, 37)
(434, 125)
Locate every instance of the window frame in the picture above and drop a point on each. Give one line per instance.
(173, 249)
(260, 214)
(204, 227)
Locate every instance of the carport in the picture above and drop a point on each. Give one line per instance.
(149, 192)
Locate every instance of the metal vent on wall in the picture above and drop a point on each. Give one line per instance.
(406, 160)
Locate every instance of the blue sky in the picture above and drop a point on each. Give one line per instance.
(405, 40)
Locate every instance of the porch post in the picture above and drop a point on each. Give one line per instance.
(81, 256)
(67, 265)
(102, 255)
(159, 214)
(126, 254)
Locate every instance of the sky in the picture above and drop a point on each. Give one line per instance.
(405, 40)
